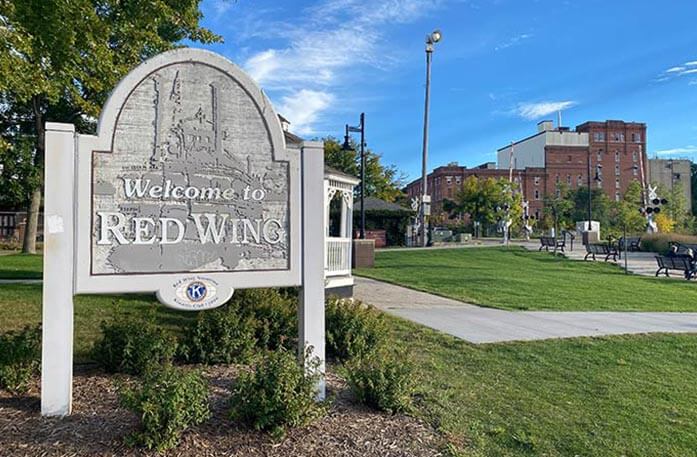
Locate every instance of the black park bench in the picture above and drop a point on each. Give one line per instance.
(678, 262)
(682, 248)
(593, 249)
(547, 242)
(633, 244)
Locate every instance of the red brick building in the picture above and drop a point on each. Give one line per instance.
(553, 156)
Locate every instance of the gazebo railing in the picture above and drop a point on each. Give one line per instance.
(338, 257)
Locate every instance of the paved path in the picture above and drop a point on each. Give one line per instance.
(20, 281)
(641, 263)
(487, 325)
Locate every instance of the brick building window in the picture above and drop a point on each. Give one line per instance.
(458, 180)
(617, 183)
(636, 137)
(557, 180)
(558, 193)
(599, 136)
(537, 180)
(617, 156)
(537, 194)
(635, 156)
(599, 184)
(579, 181)
(618, 137)
(617, 170)
(568, 180)
(617, 196)
(449, 179)
(599, 156)
(635, 170)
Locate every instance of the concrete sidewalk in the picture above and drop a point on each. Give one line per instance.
(487, 325)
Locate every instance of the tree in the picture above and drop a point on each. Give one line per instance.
(600, 206)
(677, 206)
(627, 212)
(559, 208)
(382, 181)
(484, 199)
(60, 59)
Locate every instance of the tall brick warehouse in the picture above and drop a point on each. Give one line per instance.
(615, 150)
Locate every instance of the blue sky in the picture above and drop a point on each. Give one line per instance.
(502, 66)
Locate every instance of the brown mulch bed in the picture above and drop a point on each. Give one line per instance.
(98, 425)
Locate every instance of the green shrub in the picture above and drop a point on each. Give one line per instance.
(20, 358)
(219, 336)
(353, 329)
(277, 394)
(660, 242)
(167, 402)
(382, 380)
(133, 346)
(275, 315)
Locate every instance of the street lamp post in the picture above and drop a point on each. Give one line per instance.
(431, 40)
(347, 147)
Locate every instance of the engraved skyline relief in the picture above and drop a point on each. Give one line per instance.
(190, 183)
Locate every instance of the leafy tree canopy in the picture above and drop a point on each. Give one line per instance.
(484, 199)
(382, 181)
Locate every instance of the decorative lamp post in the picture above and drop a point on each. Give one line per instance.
(347, 147)
(431, 40)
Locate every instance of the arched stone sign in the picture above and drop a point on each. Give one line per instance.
(188, 191)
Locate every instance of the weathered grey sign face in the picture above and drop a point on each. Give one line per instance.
(190, 183)
(189, 175)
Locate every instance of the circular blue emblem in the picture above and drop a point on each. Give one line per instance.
(196, 291)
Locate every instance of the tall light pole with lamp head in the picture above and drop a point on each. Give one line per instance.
(347, 147)
(431, 40)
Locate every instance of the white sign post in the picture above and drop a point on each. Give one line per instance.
(188, 191)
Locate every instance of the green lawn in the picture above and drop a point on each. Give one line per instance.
(21, 266)
(616, 396)
(518, 279)
(20, 305)
(632, 396)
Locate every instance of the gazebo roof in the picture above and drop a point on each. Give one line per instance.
(376, 204)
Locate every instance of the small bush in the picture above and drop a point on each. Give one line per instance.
(383, 381)
(167, 402)
(219, 336)
(353, 329)
(276, 395)
(275, 315)
(20, 359)
(133, 346)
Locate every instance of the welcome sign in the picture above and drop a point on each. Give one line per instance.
(188, 191)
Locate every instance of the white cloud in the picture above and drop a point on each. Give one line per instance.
(692, 83)
(678, 71)
(685, 150)
(323, 47)
(513, 41)
(222, 6)
(531, 111)
(305, 106)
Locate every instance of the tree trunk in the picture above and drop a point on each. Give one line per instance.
(32, 224)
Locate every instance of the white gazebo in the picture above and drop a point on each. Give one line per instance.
(338, 211)
(338, 226)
